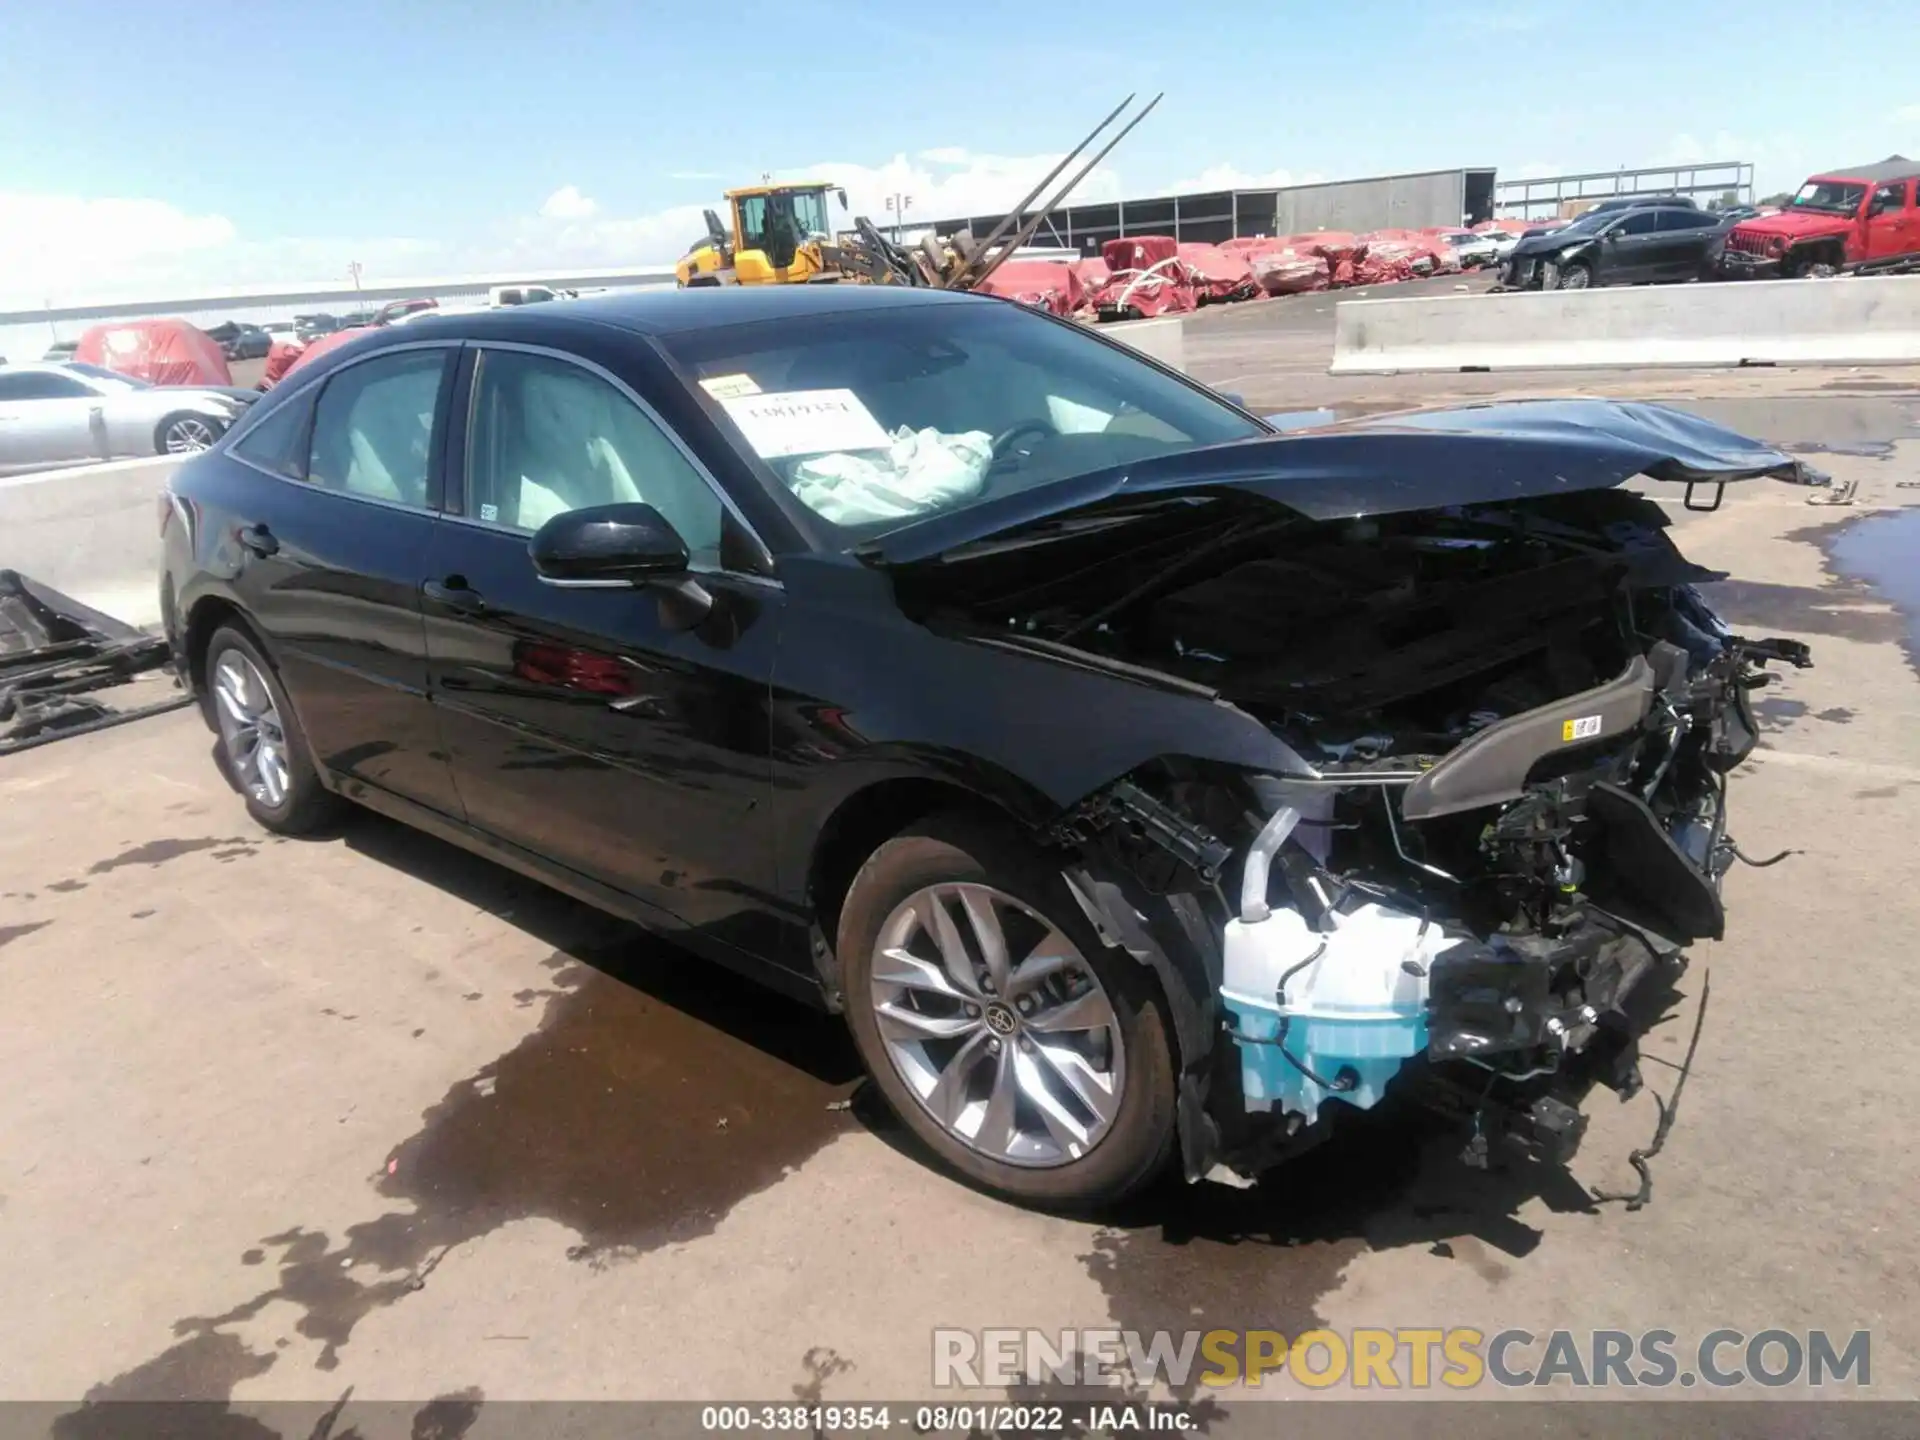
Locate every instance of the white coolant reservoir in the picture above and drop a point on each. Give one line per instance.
(1351, 1014)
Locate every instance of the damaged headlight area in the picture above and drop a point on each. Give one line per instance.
(1515, 725)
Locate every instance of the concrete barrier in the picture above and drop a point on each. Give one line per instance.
(1163, 338)
(92, 533)
(1771, 322)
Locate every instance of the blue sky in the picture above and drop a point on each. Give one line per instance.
(173, 143)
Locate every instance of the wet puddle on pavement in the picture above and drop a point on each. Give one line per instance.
(1267, 1256)
(1883, 552)
(658, 1093)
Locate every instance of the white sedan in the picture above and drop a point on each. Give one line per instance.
(63, 414)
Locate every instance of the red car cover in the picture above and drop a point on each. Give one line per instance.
(1044, 284)
(280, 357)
(321, 345)
(1217, 274)
(1138, 252)
(1149, 278)
(164, 352)
(1092, 273)
(1287, 266)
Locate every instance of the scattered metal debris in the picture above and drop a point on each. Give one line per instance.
(1840, 494)
(56, 655)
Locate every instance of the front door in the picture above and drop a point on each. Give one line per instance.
(1893, 227)
(329, 562)
(1631, 250)
(47, 418)
(585, 725)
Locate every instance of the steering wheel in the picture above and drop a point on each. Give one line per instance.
(1003, 442)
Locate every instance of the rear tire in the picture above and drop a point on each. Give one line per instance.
(262, 749)
(185, 434)
(1069, 1102)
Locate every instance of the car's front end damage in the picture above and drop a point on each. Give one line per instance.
(1506, 718)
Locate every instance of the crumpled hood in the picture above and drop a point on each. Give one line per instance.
(1797, 224)
(1390, 464)
(1552, 241)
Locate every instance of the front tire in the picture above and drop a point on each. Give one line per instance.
(262, 747)
(1815, 266)
(1577, 276)
(1023, 1052)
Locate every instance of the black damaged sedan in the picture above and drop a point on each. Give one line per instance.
(1145, 787)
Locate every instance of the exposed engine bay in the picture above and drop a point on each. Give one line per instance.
(1514, 724)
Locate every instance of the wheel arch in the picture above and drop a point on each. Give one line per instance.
(866, 818)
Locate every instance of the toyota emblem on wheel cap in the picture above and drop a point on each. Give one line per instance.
(1000, 1020)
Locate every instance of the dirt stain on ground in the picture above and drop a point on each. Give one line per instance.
(1266, 1256)
(158, 852)
(11, 933)
(658, 1092)
(66, 887)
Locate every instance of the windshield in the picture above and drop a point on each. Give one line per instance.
(1839, 197)
(810, 212)
(1588, 223)
(878, 418)
(111, 377)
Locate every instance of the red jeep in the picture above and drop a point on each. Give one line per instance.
(1861, 219)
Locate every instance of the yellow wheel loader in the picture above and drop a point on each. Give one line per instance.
(781, 235)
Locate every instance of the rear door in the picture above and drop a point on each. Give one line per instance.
(1892, 226)
(1685, 236)
(584, 726)
(328, 531)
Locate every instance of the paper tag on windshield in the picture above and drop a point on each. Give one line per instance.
(805, 422)
(727, 387)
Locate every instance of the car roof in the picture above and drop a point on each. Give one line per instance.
(1894, 167)
(666, 311)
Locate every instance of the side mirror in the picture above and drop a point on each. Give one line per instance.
(621, 547)
(843, 198)
(607, 545)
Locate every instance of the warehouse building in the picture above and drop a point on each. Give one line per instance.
(1429, 197)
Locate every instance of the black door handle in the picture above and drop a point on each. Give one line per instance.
(455, 594)
(258, 539)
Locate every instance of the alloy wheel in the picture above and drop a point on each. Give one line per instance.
(189, 435)
(998, 1025)
(250, 729)
(1574, 277)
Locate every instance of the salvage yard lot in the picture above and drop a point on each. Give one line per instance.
(288, 1117)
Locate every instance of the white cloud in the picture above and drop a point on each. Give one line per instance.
(1232, 177)
(951, 182)
(70, 250)
(567, 203)
(1534, 170)
(50, 242)
(1906, 115)
(693, 174)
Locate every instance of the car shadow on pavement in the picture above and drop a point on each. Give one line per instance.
(659, 1090)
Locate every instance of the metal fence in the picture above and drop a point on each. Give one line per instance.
(1723, 182)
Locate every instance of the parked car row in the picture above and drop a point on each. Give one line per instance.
(1865, 219)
